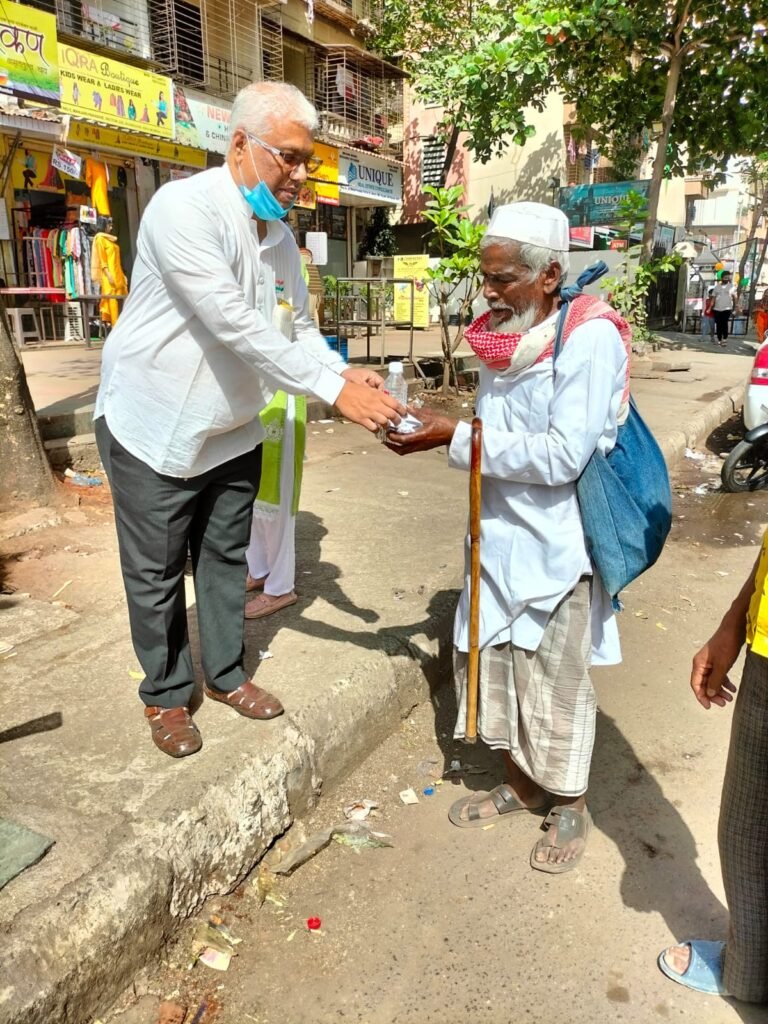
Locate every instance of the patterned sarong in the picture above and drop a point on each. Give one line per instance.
(540, 705)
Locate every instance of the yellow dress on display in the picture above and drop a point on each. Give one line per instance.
(107, 269)
(97, 180)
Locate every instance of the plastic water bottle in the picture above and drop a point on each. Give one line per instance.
(396, 384)
(82, 479)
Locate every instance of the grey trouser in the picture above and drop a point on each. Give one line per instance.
(159, 518)
(743, 837)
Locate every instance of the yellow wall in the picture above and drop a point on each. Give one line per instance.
(523, 172)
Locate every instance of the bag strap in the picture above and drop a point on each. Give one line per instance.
(589, 275)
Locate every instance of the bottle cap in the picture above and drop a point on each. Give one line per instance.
(396, 367)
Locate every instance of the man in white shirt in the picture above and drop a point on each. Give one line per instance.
(191, 363)
(544, 618)
(724, 298)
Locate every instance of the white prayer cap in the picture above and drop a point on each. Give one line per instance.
(531, 224)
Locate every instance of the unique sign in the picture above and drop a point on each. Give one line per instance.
(596, 205)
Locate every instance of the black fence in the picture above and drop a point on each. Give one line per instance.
(662, 300)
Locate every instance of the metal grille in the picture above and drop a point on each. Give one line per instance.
(360, 99)
(219, 45)
(433, 152)
(216, 45)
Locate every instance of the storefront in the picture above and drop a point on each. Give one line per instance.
(340, 201)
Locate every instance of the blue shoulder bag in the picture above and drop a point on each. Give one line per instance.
(624, 497)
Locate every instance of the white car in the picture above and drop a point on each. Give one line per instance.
(756, 393)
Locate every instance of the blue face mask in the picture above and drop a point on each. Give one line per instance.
(261, 200)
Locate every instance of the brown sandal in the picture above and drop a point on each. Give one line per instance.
(248, 700)
(173, 731)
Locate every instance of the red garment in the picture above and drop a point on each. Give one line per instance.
(496, 349)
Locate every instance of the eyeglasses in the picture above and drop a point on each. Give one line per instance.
(312, 163)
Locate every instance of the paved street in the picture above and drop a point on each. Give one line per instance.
(452, 925)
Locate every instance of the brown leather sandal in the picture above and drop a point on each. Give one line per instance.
(173, 731)
(248, 700)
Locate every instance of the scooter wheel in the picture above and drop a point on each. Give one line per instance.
(746, 468)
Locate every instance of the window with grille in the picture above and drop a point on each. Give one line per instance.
(433, 152)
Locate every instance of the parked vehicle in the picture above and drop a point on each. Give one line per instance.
(746, 468)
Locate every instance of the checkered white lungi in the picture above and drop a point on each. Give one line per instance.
(540, 706)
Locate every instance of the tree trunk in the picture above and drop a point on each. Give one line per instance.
(756, 271)
(445, 339)
(25, 473)
(757, 214)
(667, 116)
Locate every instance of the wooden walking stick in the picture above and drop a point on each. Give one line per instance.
(473, 664)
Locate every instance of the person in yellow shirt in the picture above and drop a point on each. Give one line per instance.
(739, 966)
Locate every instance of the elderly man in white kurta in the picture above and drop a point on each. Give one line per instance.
(544, 615)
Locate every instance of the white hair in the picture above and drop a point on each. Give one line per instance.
(262, 106)
(534, 257)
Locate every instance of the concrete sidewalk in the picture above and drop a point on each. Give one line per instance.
(142, 840)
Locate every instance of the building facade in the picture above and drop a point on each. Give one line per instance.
(132, 93)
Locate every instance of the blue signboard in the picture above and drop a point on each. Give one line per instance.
(588, 206)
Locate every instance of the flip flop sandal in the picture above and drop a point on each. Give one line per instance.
(705, 969)
(571, 825)
(265, 604)
(503, 797)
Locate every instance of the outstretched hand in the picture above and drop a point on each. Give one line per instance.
(436, 430)
(368, 406)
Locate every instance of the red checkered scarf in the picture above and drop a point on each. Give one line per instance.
(511, 353)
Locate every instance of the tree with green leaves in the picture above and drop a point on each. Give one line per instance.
(455, 241)
(690, 76)
(628, 289)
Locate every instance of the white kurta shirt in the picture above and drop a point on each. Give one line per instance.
(195, 357)
(539, 432)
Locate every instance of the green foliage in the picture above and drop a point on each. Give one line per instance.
(378, 238)
(455, 241)
(629, 288)
(486, 62)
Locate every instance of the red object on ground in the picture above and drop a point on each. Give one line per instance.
(313, 923)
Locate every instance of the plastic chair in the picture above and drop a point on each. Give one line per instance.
(22, 334)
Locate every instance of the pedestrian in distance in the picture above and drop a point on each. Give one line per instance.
(544, 616)
(724, 299)
(707, 316)
(193, 360)
(738, 966)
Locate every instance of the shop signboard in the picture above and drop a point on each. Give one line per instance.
(307, 197)
(105, 91)
(415, 268)
(33, 170)
(67, 162)
(326, 177)
(29, 59)
(371, 178)
(135, 145)
(583, 236)
(597, 205)
(200, 122)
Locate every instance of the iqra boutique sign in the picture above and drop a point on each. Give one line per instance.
(370, 177)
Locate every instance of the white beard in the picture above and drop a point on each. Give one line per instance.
(516, 323)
